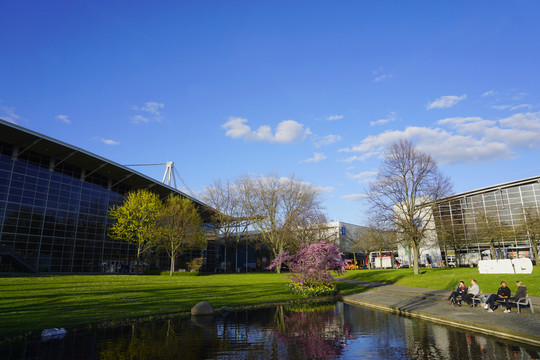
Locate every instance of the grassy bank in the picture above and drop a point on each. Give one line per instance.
(447, 279)
(37, 302)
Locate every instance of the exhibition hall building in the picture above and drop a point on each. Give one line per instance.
(503, 218)
(54, 204)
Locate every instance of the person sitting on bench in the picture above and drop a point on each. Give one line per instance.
(521, 292)
(473, 290)
(503, 294)
(461, 290)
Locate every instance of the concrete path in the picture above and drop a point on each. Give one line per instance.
(430, 304)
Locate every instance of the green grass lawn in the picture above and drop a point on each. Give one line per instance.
(30, 303)
(37, 302)
(448, 278)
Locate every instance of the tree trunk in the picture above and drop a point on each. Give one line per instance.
(410, 259)
(535, 251)
(278, 267)
(380, 258)
(416, 252)
(492, 247)
(172, 265)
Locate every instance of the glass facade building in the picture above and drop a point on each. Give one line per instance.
(474, 222)
(54, 203)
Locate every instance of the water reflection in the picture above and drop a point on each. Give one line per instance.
(293, 332)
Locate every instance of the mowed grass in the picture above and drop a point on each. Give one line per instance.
(448, 278)
(38, 302)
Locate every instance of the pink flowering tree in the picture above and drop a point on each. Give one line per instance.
(311, 268)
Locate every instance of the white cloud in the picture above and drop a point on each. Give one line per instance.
(527, 121)
(109, 141)
(150, 112)
(489, 93)
(519, 96)
(390, 118)
(462, 139)
(380, 75)
(63, 118)
(445, 101)
(363, 177)
(513, 107)
(287, 131)
(354, 197)
(151, 107)
(334, 117)
(316, 158)
(138, 119)
(8, 113)
(326, 140)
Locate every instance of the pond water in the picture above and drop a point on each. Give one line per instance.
(330, 331)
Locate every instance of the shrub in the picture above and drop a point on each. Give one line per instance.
(311, 268)
(181, 273)
(318, 289)
(152, 272)
(195, 264)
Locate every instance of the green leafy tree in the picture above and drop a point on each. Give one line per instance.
(179, 228)
(135, 220)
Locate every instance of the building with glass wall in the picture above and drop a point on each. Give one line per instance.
(54, 202)
(498, 221)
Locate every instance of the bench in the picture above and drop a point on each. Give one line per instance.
(478, 298)
(520, 303)
(523, 302)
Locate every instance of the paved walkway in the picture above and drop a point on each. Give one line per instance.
(431, 305)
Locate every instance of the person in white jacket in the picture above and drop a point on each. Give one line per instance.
(473, 290)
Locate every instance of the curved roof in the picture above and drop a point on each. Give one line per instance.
(26, 139)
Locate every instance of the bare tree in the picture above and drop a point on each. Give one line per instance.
(531, 228)
(490, 229)
(447, 235)
(278, 207)
(402, 196)
(230, 217)
(378, 237)
(310, 231)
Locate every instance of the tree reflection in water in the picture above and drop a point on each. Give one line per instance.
(292, 332)
(316, 332)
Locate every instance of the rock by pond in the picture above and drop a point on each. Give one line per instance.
(202, 308)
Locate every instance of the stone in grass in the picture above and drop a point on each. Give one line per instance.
(202, 308)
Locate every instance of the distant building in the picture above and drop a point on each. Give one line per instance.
(54, 202)
(461, 216)
(458, 233)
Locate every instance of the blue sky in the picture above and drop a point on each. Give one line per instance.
(314, 88)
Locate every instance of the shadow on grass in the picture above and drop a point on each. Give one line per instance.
(345, 288)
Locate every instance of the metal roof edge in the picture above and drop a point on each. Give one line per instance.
(101, 158)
